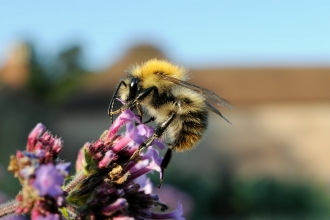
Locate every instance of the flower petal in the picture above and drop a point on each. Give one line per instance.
(64, 168)
(123, 118)
(48, 181)
(118, 204)
(34, 135)
(145, 184)
(107, 159)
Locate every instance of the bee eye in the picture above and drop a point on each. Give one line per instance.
(133, 87)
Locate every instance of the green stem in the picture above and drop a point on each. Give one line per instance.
(72, 210)
(74, 182)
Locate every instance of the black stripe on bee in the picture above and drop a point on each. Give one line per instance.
(192, 128)
(160, 99)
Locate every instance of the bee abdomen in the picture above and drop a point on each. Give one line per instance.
(193, 125)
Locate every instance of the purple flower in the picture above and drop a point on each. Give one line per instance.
(48, 181)
(123, 191)
(111, 182)
(41, 175)
(150, 162)
(115, 206)
(145, 184)
(64, 168)
(109, 156)
(123, 118)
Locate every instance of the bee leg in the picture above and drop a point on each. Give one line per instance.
(128, 105)
(158, 133)
(149, 120)
(112, 102)
(132, 104)
(139, 110)
(166, 160)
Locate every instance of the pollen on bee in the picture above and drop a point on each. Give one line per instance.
(147, 71)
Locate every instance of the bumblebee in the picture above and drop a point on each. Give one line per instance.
(179, 109)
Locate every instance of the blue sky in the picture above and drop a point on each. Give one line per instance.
(192, 33)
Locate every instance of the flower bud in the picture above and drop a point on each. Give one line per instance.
(34, 135)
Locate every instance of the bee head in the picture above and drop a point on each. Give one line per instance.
(133, 88)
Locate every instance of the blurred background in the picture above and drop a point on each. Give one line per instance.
(60, 63)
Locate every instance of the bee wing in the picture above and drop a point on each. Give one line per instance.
(215, 110)
(208, 94)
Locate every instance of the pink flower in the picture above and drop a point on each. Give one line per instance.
(111, 182)
(123, 191)
(34, 135)
(41, 174)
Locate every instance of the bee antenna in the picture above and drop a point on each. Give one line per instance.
(112, 102)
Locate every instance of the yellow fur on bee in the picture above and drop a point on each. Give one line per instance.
(147, 72)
